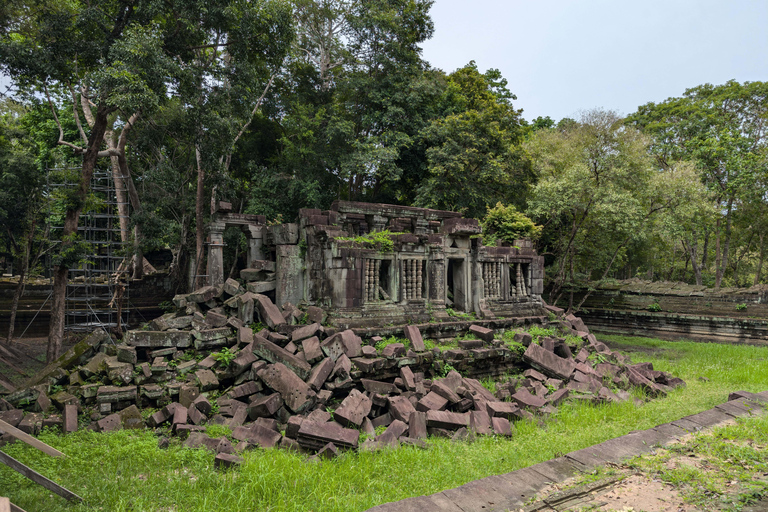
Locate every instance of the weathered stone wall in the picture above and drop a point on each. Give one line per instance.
(734, 315)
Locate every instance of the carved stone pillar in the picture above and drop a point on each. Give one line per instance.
(255, 236)
(216, 253)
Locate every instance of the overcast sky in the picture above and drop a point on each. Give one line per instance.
(563, 56)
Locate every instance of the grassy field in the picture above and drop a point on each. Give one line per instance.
(126, 471)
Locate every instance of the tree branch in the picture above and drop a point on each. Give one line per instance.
(77, 116)
(250, 119)
(61, 140)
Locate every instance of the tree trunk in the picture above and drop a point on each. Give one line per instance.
(728, 233)
(760, 260)
(199, 221)
(20, 286)
(692, 246)
(71, 219)
(718, 256)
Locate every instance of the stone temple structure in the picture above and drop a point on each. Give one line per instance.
(432, 265)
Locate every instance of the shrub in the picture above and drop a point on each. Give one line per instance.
(507, 224)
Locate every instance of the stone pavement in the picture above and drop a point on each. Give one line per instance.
(511, 491)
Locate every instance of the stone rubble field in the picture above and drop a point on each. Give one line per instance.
(299, 385)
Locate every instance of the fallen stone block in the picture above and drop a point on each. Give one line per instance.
(409, 381)
(304, 332)
(379, 387)
(312, 351)
(506, 410)
(328, 452)
(333, 347)
(400, 408)
(107, 424)
(524, 398)
(297, 394)
(558, 396)
(315, 436)
(417, 425)
(320, 373)
(268, 312)
(353, 409)
(226, 461)
(206, 380)
(131, 418)
(263, 436)
(70, 419)
(548, 363)
(413, 335)
(470, 344)
(502, 427)
(151, 339)
(393, 350)
(443, 390)
(447, 420)
(480, 423)
(265, 407)
(114, 394)
(275, 354)
(483, 333)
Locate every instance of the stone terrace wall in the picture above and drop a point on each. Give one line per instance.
(735, 315)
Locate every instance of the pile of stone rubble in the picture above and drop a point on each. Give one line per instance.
(300, 385)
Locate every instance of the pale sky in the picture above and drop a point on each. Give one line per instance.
(563, 56)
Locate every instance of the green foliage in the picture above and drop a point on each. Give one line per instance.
(379, 240)
(225, 356)
(653, 307)
(537, 332)
(474, 154)
(460, 314)
(390, 340)
(507, 224)
(167, 306)
(741, 307)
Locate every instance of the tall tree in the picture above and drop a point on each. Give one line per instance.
(126, 55)
(596, 193)
(723, 129)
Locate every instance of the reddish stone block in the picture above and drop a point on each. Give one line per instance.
(315, 436)
(297, 395)
(401, 408)
(417, 425)
(480, 423)
(107, 424)
(278, 355)
(524, 398)
(441, 389)
(483, 333)
(503, 410)
(226, 460)
(548, 363)
(265, 407)
(312, 351)
(320, 373)
(447, 420)
(353, 409)
(408, 379)
(502, 427)
(413, 335)
(268, 312)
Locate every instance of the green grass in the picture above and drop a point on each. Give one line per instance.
(125, 471)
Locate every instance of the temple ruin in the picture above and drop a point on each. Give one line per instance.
(434, 266)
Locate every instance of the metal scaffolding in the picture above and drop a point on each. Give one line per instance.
(97, 288)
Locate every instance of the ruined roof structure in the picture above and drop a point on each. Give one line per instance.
(428, 266)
